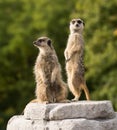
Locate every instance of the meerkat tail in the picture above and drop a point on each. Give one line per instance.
(84, 87)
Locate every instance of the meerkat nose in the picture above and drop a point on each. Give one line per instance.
(77, 25)
(34, 42)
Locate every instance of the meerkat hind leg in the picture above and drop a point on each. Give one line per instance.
(76, 98)
(75, 86)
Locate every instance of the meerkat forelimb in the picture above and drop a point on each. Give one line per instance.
(74, 53)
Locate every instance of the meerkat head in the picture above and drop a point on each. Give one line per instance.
(76, 25)
(44, 44)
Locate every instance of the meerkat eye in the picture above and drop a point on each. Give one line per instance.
(41, 40)
(73, 21)
(79, 21)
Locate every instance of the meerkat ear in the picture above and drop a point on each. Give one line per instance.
(83, 23)
(49, 43)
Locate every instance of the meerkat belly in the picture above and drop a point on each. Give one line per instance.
(39, 80)
(73, 62)
(48, 68)
(76, 64)
(54, 87)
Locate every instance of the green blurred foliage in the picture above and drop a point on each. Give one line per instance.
(21, 22)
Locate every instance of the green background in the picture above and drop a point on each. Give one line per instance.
(22, 21)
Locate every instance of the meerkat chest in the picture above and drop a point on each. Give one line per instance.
(74, 41)
(47, 63)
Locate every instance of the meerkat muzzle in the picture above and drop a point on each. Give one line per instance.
(36, 43)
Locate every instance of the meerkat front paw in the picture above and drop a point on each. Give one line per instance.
(53, 79)
(67, 59)
(66, 54)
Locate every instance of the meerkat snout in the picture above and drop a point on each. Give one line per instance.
(77, 25)
(39, 41)
(36, 43)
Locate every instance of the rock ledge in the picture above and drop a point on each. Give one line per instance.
(81, 115)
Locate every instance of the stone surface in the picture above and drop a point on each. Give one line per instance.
(82, 115)
(60, 111)
(38, 111)
(20, 123)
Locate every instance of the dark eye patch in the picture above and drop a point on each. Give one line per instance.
(79, 21)
(41, 40)
(73, 21)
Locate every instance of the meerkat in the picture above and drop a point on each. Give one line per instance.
(50, 87)
(74, 60)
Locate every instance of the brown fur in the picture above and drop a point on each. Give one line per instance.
(50, 87)
(74, 60)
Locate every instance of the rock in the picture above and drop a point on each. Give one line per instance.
(38, 111)
(81, 115)
(20, 123)
(60, 111)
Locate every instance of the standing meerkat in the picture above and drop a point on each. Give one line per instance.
(50, 87)
(74, 60)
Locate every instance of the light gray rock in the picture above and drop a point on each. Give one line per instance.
(82, 115)
(36, 111)
(20, 123)
(60, 111)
